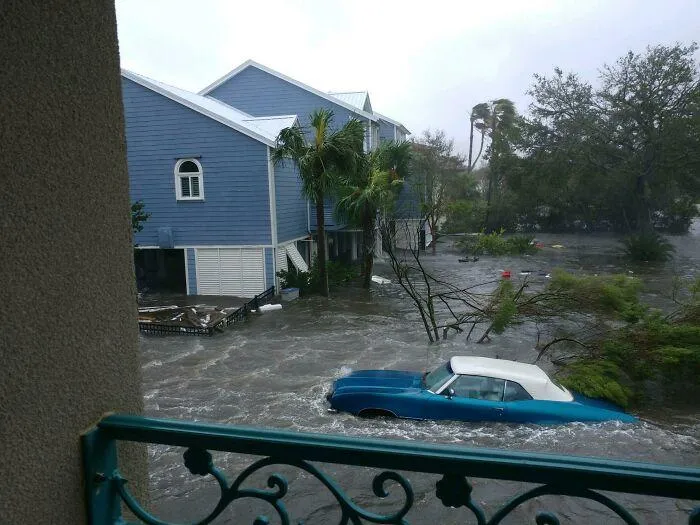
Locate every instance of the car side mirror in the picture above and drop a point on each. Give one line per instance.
(450, 393)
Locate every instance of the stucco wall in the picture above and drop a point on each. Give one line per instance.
(69, 341)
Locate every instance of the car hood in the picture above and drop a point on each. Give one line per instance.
(393, 381)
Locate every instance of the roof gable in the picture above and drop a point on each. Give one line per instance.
(251, 63)
(263, 129)
(358, 99)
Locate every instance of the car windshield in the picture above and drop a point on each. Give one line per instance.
(437, 377)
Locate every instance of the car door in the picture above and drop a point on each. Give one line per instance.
(471, 398)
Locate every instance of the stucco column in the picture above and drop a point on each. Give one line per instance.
(69, 340)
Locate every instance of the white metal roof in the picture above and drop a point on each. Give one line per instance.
(252, 63)
(531, 377)
(359, 99)
(264, 129)
(392, 121)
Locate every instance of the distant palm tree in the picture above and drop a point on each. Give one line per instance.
(480, 116)
(371, 190)
(327, 154)
(501, 120)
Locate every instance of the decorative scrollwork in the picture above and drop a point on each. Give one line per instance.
(453, 490)
(199, 462)
(546, 518)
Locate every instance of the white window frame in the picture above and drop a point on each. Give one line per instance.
(179, 176)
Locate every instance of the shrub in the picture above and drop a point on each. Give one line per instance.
(647, 247)
(339, 273)
(496, 244)
(616, 295)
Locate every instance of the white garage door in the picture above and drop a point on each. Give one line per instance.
(230, 271)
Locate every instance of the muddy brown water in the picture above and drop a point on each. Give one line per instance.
(274, 370)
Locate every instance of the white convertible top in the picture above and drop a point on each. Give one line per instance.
(531, 377)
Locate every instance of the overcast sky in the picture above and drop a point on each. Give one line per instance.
(425, 66)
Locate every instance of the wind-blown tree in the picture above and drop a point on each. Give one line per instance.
(370, 191)
(627, 153)
(480, 116)
(321, 159)
(501, 126)
(436, 166)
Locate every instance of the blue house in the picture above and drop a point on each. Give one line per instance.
(223, 219)
(260, 91)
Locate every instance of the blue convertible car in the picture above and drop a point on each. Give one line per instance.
(469, 389)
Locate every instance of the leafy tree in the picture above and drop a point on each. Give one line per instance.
(627, 153)
(371, 190)
(437, 166)
(138, 216)
(320, 160)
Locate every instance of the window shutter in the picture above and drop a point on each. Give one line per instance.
(195, 186)
(185, 186)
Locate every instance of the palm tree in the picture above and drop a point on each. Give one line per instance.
(371, 190)
(319, 161)
(480, 116)
(501, 120)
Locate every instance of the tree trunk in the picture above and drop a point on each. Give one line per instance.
(321, 239)
(368, 234)
(433, 232)
(471, 145)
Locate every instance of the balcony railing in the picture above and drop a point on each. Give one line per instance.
(581, 477)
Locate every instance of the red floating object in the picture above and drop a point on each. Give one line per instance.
(505, 274)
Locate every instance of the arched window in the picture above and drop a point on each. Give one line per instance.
(189, 180)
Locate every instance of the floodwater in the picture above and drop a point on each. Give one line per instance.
(274, 370)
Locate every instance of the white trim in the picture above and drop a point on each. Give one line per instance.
(272, 196)
(179, 175)
(281, 76)
(396, 123)
(195, 107)
(273, 217)
(203, 246)
(187, 273)
(196, 271)
(150, 247)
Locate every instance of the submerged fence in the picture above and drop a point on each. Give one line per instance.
(236, 316)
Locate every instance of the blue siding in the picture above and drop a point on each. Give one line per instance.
(236, 209)
(386, 131)
(409, 201)
(331, 222)
(269, 268)
(191, 271)
(262, 94)
(291, 205)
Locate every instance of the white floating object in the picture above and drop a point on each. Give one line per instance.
(270, 307)
(380, 280)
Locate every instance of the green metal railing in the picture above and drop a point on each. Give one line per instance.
(556, 475)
